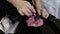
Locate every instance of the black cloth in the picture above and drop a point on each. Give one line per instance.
(48, 28)
(1, 32)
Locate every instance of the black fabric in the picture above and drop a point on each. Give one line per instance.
(55, 21)
(1, 32)
(2, 13)
(7, 8)
(48, 28)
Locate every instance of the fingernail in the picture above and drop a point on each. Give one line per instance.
(34, 14)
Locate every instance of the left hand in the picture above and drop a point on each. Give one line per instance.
(42, 11)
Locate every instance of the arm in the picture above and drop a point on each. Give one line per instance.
(55, 21)
(38, 3)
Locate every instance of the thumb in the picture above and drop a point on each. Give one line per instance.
(39, 11)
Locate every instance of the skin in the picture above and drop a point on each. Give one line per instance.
(25, 8)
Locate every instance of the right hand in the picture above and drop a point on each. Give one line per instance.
(24, 7)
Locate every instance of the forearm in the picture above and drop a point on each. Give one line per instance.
(38, 2)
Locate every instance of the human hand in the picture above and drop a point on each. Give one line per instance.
(42, 11)
(23, 7)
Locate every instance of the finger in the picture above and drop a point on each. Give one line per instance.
(31, 7)
(38, 11)
(29, 11)
(25, 12)
(46, 16)
(45, 13)
(20, 12)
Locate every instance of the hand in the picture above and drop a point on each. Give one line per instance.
(24, 7)
(43, 12)
(40, 9)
